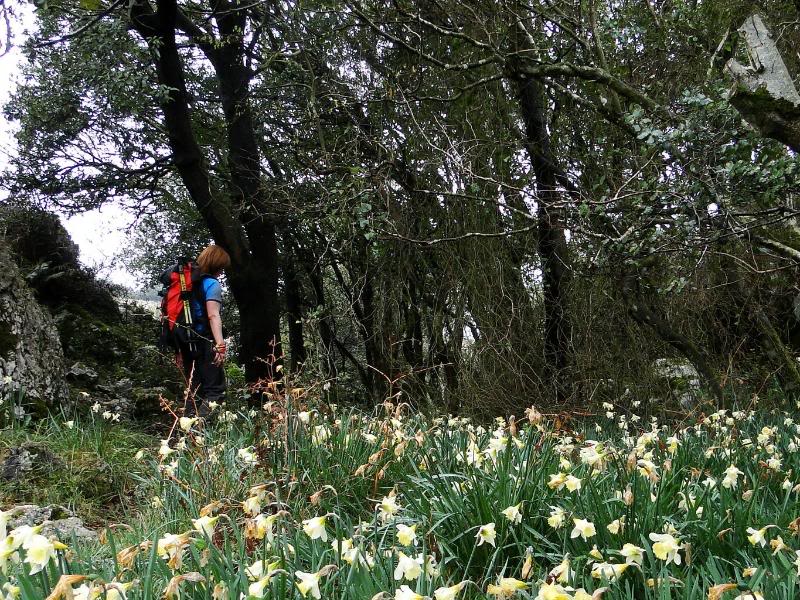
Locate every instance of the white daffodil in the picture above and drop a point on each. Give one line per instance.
(406, 593)
(247, 456)
(39, 551)
(308, 582)
(572, 483)
(315, 528)
(513, 513)
(583, 528)
(388, 508)
(408, 567)
(186, 423)
(557, 517)
(486, 534)
(731, 476)
(634, 555)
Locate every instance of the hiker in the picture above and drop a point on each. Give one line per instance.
(195, 330)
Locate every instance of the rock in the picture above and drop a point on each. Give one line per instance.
(80, 373)
(31, 356)
(148, 400)
(58, 522)
(682, 380)
(23, 459)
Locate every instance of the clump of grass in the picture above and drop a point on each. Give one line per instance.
(85, 464)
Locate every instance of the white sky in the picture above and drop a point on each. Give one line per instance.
(99, 233)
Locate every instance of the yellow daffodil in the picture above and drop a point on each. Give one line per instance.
(552, 591)
(406, 535)
(205, 524)
(608, 571)
(506, 587)
(666, 547)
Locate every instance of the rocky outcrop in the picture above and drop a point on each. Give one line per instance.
(57, 522)
(31, 357)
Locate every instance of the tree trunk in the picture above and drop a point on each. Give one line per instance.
(253, 275)
(294, 315)
(552, 244)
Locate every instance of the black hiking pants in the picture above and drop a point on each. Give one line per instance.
(206, 379)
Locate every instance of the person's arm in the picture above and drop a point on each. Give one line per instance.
(215, 323)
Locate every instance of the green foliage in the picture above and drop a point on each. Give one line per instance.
(86, 465)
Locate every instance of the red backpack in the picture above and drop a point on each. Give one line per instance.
(182, 284)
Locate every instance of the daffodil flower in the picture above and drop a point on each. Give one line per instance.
(205, 524)
(308, 582)
(553, 591)
(634, 555)
(408, 567)
(506, 587)
(406, 535)
(406, 593)
(557, 517)
(666, 547)
(388, 508)
(513, 513)
(608, 571)
(315, 528)
(448, 593)
(486, 534)
(583, 528)
(731, 476)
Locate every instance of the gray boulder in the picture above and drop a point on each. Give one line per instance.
(31, 356)
(58, 521)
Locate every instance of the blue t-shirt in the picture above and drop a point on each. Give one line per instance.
(212, 292)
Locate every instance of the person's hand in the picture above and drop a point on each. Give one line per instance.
(219, 354)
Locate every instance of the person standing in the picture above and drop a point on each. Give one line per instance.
(203, 357)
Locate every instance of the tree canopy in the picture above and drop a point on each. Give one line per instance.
(464, 202)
